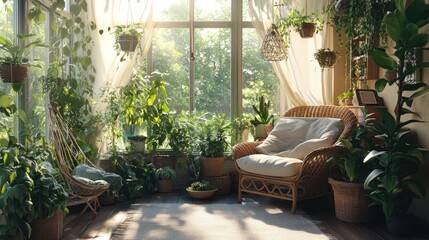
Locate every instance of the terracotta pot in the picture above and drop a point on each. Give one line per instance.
(13, 73)
(307, 30)
(212, 166)
(262, 130)
(200, 194)
(165, 186)
(128, 43)
(351, 203)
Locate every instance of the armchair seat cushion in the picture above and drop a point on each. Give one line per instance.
(270, 165)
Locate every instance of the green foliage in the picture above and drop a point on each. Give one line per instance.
(182, 133)
(129, 31)
(360, 18)
(165, 173)
(16, 54)
(138, 174)
(28, 190)
(212, 136)
(346, 95)
(348, 162)
(403, 28)
(74, 104)
(201, 186)
(262, 113)
(396, 160)
(194, 167)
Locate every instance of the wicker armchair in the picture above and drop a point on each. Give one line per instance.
(312, 179)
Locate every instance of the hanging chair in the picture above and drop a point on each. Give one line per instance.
(69, 155)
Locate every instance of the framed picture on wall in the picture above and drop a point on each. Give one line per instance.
(367, 97)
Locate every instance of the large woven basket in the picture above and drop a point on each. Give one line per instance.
(222, 183)
(212, 166)
(351, 203)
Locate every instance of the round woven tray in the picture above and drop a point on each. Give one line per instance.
(222, 183)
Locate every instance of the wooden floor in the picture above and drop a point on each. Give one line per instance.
(319, 210)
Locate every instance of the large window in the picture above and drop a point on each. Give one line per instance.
(211, 56)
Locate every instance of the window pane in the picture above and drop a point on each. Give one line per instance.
(213, 70)
(171, 10)
(171, 55)
(37, 114)
(6, 30)
(246, 14)
(258, 75)
(213, 10)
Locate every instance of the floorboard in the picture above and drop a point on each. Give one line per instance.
(320, 211)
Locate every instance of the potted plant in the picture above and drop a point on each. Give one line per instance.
(138, 142)
(213, 144)
(242, 126)
(165, 176)
(201, 190)
(305, 24)
(348, 173)
(346, 98)
(127, 38)
(326, 57)
(263, 121)
(391, 184)
(14, 58)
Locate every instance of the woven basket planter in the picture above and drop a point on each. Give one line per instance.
(351, 203)
(222, 183)
(13, 73)
(307, 30)
(212, 166)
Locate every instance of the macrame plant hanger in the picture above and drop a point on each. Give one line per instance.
(273, 47)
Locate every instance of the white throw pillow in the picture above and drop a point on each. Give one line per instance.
(296, 136)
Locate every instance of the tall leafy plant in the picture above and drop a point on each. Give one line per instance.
(397, 159)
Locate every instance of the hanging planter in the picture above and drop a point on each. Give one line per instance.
(13, 73)
(128, 43)
(326, 57)
(307, 29)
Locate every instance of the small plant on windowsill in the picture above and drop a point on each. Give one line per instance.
(345, 98)
(263, 121)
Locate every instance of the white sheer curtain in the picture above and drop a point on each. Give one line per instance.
(110, 70)
(300, 75)
(108, 14)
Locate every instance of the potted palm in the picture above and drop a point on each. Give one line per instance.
(212, 145)
(165, 176)
(14, 58)
(391, 183)
(263, 121)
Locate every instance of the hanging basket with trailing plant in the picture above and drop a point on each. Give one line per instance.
(326, 57)
(13, 73)
(307, 29)
(128, 43)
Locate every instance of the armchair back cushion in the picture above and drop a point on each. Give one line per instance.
(295, 137)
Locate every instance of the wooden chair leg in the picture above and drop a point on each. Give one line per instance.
(294, 198)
